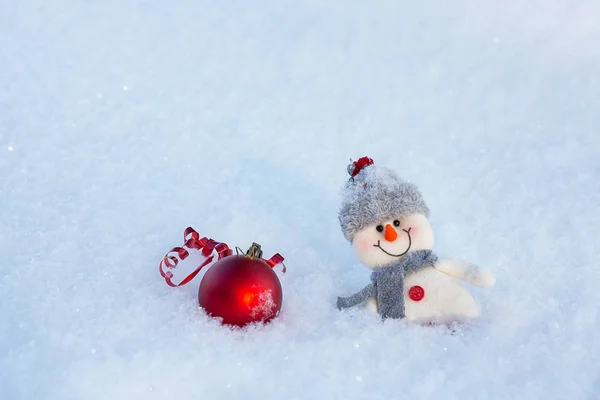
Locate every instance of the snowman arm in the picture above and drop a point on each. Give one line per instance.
(357, 298)
(466, 271)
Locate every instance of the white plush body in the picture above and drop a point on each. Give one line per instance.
(445, 299)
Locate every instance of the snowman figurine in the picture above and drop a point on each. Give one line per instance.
(386, 220)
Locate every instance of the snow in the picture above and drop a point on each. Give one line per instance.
(124, 121)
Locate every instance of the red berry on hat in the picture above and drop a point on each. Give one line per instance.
(357, 166)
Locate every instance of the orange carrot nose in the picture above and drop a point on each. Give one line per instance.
(390, 233)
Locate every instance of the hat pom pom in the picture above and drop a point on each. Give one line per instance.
(356, 166)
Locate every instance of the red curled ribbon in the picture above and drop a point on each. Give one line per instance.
(276, 259)
(192, 240)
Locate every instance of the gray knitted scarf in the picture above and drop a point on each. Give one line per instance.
(387, 284)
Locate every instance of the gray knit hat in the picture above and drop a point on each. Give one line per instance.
(374, 194)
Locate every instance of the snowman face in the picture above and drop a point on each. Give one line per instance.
(384, 243)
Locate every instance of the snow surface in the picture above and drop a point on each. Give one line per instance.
(124, 121)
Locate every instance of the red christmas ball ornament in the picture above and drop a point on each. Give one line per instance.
(241, 289)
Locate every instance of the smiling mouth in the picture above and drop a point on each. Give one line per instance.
(396, 255)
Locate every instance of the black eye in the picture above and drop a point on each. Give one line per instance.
(379, 228)
(396, 223)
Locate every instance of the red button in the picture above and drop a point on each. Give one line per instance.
(416, 293)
